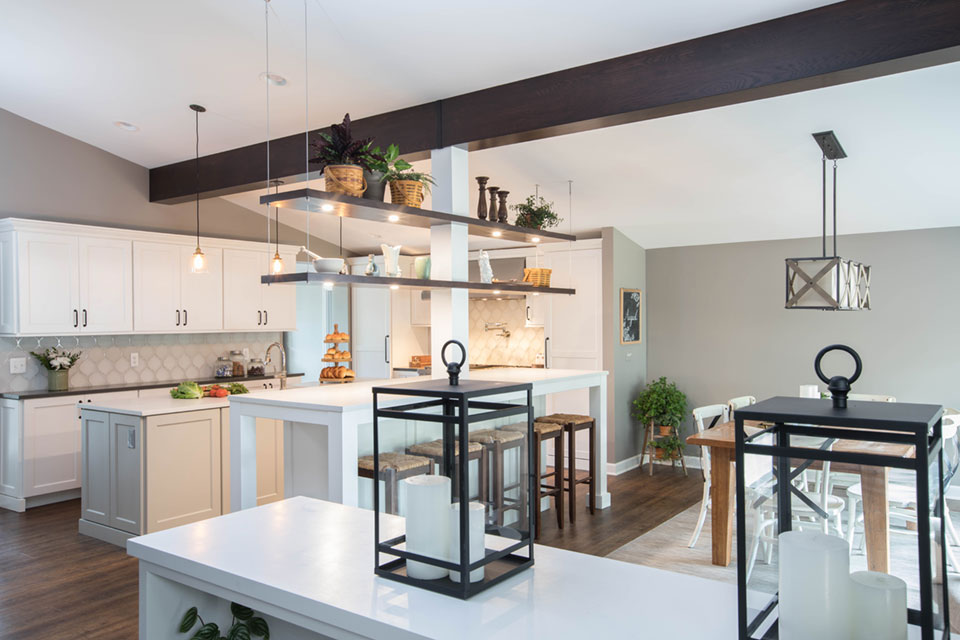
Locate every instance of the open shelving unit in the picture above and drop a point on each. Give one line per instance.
(411, 283)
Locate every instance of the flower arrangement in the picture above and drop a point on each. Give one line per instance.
(57, 359)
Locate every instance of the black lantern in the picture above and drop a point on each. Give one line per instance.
(491, 423)
(787, 438)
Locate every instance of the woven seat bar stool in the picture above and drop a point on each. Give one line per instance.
(394, 467)
(497, 442)
(475, 451)
(572, 423)
(543, 431)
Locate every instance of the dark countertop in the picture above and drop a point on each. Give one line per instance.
(133, 386)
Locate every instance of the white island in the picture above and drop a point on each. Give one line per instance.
(327, 427)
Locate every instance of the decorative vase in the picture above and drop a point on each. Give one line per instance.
(421, 266)
(344, 178)
(58, 379)
(486, 271)
(482, 202)
(372, 268)
(376, 187)
(493, 202)
(391, 260)
(502, 213)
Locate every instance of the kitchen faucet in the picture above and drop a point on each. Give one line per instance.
(283, 362)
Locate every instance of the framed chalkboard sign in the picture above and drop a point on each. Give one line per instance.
(630, 309)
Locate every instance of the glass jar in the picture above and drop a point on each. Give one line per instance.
(236, 357)
(256, 368)
(224, 367)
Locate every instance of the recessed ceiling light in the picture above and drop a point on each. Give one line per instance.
(497, 234)
(536, 239)
(126, 126)
(275, 79)
(327, 207)
(393, 218)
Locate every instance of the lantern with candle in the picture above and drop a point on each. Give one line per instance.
(786, 511)
(461, 532)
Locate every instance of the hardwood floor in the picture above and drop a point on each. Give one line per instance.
(55, 583)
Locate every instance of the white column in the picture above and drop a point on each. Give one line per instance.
(449, 310)
(243, 460)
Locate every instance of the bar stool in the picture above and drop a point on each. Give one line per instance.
(572, 423)
(393, 468)
(433, 450)
(497, 442)
(543, 431)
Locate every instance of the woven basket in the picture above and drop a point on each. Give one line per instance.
(344, 178)
(537, 277)
(407, 192)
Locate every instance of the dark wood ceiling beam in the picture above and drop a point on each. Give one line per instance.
(838, 43)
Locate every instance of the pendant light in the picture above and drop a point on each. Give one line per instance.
(828, 282)
(198, 262)
(276, 265)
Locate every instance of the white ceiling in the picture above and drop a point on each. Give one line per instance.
(739, 173)
(77, 67)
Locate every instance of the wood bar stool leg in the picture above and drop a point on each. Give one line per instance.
(537, 486)
(593, 468)
(558, 475)
(572, 469)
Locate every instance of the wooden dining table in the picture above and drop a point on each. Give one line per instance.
(873, 480)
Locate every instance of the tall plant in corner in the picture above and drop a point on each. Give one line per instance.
(342, 159)
(660, 404)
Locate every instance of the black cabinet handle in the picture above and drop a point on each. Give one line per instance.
(528, 313)
(546, 351)
(76, 319)
(84, 317)
(386, 351)
(178, 317)
(184, 317)
(259, 318)
(266, 317)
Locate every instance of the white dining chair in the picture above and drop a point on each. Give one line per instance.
(736, 403)
(718, 413)
(871, 397)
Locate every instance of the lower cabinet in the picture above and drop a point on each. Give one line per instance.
(112, 460)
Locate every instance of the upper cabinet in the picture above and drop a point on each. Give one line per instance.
(249, 305)
(73, 284)
(179, 300)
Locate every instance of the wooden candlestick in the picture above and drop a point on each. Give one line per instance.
(502, 213)
(482, 204)
(493, 202)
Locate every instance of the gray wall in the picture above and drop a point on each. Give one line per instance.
(50, 176)
(624, 266)
(719, 329)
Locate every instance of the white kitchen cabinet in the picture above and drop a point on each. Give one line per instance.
(419, 308)
(249, 305)
(69, 284)
(178, 300)
(536, 306)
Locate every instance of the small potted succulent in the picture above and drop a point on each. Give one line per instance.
(407, 186)
(377, 164)
(57, 362)
(536, 213)
(662, 405)
(342, 159)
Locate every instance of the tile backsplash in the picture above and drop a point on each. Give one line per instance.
(489, 347)
(106, 359)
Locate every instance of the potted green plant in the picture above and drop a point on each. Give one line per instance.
(244, 625)
(667, 448)
(377, 164)
(536, 213)
(57, 362)
(661, 404)
(407, 186)
(342, 159)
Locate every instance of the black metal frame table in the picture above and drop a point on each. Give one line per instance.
(456, 407)
(909, 424)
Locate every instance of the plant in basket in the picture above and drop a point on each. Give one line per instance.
(407, 186)
(661, 404)
(376, 165)
(536, 213)
(342, 159)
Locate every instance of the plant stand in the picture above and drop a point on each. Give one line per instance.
(650, 435)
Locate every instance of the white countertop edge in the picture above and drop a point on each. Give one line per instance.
(145, 407)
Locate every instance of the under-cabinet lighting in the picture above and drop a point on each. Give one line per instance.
(536, 293)
(497, 234)
(536, 239)
(394, 286)
(393, 218)
(327, 207)
(496, 292)
(328, 285)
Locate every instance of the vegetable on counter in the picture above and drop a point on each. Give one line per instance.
(187, 391)
(236, 388)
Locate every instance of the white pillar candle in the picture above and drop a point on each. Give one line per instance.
(428, 523)
(814, 586)
(878, 606)
(475, 528)
(809, 391)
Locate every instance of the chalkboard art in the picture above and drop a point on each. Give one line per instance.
(629, 316)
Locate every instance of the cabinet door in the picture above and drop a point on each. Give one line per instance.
(125, 473)
(370, 333)
(95, 495)
(201, 294)
(11, 449)
(182, 468)
(280, 300)
(420, 308)
(49, 288)
(106, 285)
(156, 280)
(51, 451)
(242, 291)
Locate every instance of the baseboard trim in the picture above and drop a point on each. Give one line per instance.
(105, 533)
(22, 504)
(631, 463)
(13, 504)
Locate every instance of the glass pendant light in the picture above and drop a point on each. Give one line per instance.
(276, 265)
(198, 262)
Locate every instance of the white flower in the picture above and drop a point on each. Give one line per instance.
(60, 361)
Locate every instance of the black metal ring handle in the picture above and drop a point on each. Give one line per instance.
(443, 352)
(838, 347)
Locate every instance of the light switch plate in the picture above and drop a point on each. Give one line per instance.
(134, 359)
(18, 365)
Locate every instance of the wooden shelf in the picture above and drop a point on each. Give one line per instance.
(409, 283)
(336, 204)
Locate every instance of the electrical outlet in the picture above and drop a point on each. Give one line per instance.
(18, 365)
(246, 353)
(134, 359)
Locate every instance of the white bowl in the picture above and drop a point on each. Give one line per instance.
(328, 265)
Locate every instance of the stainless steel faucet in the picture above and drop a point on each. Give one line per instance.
(497, 326)
(283, 362)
